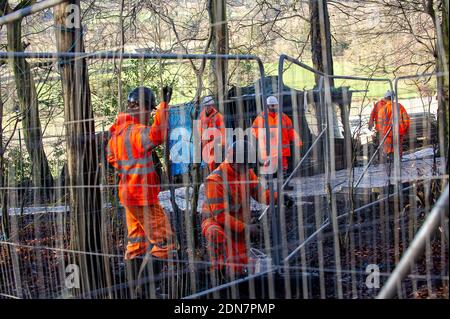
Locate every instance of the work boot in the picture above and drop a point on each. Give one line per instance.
(148, 280)
(132, 267)
(156, 275)
(153, 279)
(160, 272)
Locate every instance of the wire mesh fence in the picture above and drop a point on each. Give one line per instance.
(344, 213)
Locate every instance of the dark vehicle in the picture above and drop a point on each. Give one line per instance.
(242, 107)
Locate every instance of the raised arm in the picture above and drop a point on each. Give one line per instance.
(159, 130)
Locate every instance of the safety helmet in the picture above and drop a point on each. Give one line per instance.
(242, 152)
(389, 95)
(272, 100)
(143, 96)
(208, 100)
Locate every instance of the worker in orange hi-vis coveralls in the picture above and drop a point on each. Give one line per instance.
(130, 152)
(211, 124)
(385, 122)
(373, 120)
(226, 210)
(288, 134)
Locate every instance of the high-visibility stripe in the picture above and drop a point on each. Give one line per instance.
(232, 208)
(147, 144)
(273, 126)
(131, 161)
(288, 127)
(216, 212)
(128, 147)
(136, 161)
(137, 170)
(212, 201)
(136, 240)
(162, 244)
(221, 200)
(217, 173)
(235, 208)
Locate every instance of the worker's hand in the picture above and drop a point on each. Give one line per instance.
(254, 229)
(254, 220)
(288, 201)
(167, 94)
(371, 126)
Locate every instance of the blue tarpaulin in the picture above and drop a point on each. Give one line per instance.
(180, 138)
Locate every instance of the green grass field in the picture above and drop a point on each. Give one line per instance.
(104, 87)
(300, 78)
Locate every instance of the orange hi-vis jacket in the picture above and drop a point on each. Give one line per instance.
(226, 212)
(384, 122)
(288, 134)
(211, 120)
(374, 114)
(129, 151)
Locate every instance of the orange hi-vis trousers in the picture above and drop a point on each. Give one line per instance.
(149, 230)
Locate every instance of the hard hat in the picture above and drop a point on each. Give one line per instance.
(208, 100)
(272, 100)
(242, 152)
(389, 94)
(143, 96)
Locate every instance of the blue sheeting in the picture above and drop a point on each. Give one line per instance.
(180, 135)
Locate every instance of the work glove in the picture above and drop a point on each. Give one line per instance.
(288, 201)
(254, 229)
(167, 94)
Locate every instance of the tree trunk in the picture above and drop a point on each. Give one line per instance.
(321, 51)
(219, 68)
(83, 168)
(28, 105)
(4, 225)
(442, 31)
(218, 22)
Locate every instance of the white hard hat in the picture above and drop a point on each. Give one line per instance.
(389, 94)
(272, 100)
(208, 100)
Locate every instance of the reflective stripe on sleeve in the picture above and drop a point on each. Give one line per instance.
(145, 139)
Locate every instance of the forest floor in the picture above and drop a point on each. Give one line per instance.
(313, 272)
